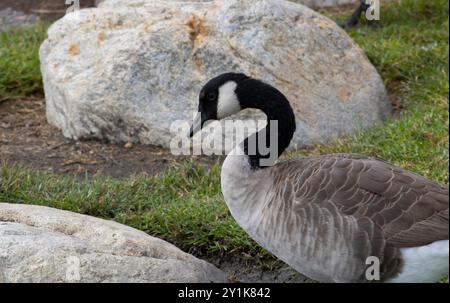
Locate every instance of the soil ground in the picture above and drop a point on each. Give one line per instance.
(46, 9)
(28, 140)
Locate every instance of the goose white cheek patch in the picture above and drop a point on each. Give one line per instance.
(228, 103)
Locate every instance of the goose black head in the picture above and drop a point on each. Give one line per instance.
(218, 99)
(230, 93)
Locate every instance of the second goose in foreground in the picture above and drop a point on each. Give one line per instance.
(327, 216)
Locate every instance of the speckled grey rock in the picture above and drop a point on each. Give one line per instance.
(126, 73)
(41, 244)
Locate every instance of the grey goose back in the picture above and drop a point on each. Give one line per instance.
(327, 216)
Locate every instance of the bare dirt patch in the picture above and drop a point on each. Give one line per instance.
(28, 140)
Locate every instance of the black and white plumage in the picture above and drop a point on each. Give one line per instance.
(324, 216)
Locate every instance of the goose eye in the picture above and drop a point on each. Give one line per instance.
(211, 97)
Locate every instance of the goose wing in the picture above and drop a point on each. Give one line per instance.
(365, 205)
(410, 209)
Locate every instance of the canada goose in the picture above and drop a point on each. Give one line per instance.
(325, 216)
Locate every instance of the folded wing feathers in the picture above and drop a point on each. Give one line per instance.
(365, 206)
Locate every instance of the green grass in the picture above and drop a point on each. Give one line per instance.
(409, 47)
(19, 61)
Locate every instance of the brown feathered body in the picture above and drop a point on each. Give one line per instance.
(325, 215)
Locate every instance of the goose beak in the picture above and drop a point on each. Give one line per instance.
(196, 125)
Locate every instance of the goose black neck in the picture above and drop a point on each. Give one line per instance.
(256, 94)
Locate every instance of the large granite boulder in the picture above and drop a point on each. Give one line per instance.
(127, 70)
(41, 244)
